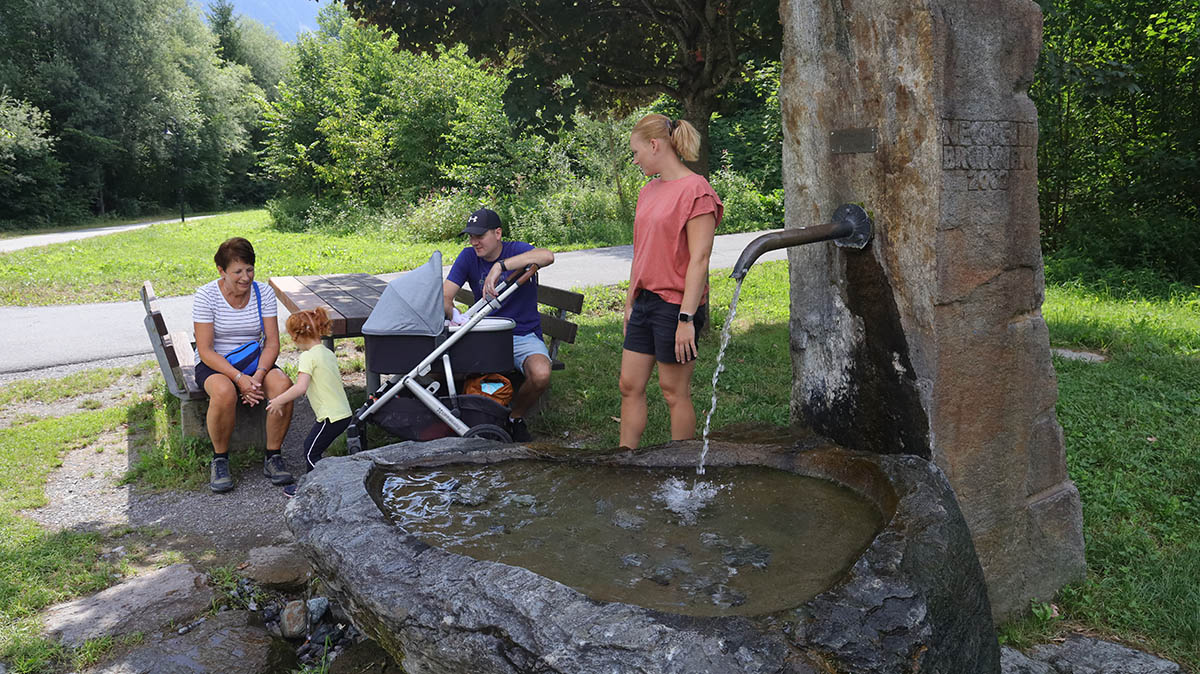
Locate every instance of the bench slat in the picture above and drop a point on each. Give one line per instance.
(560, 299)
(557, 328)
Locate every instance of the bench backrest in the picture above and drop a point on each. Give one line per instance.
(172, 349)
(554, 322)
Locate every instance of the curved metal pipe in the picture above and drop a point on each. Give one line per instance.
(851, 228)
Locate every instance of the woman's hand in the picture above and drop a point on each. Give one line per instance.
(249, 388)
(685, 342)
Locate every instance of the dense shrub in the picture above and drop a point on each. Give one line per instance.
(574, 213)
(746, 209)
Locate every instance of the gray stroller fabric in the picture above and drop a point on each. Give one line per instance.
(411, 304)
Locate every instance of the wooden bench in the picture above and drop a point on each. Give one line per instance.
(176, 356)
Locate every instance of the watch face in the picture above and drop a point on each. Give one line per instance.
(685, 318)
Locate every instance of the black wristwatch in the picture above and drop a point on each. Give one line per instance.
(502, 266)
(685, 317)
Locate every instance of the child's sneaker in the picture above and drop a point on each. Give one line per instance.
(274, 469)
(290, 490)
(518, 430)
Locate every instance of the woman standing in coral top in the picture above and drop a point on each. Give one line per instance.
(677, 216)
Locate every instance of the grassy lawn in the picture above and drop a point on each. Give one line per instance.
(178, 257)
(1131, 425)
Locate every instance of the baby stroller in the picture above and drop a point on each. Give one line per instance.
(406, 332)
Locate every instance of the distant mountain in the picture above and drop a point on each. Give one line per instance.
(287, 18)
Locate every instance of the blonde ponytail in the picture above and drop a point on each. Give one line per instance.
(682, 136)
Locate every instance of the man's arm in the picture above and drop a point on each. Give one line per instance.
(449, 289)
(539, 256)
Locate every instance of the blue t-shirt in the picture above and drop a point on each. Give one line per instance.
(521, 306)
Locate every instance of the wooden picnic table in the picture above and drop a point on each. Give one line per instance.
(348, 298)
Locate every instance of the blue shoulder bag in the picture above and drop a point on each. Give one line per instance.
(245, 357)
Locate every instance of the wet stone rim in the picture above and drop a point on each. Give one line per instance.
(915, 597)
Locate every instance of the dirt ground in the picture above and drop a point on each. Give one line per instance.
(152, 527)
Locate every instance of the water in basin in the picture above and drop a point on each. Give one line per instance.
(746, 540)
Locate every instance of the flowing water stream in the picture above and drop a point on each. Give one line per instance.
(725, 332)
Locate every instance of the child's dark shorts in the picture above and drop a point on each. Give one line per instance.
(652, 325)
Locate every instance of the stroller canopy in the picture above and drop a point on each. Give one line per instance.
(411, 304)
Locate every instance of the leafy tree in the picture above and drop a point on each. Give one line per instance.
(30, 179)
(627, 50)
(358, 120)
(113, 76)
(1118, 94)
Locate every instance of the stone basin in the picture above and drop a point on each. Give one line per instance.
(914, 601)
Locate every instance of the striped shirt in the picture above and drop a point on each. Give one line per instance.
(231, 327)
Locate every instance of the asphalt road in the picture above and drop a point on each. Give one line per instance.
(35, 339)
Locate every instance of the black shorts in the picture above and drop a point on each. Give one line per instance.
(204, 372)
(652, 325)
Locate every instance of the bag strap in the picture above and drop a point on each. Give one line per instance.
(262, 327)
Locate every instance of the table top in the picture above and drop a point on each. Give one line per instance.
(348, 298)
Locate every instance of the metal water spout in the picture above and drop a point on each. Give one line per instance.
(851, 228)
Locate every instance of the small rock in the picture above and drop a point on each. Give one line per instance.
(316, 609)
(278, 567)
(523, 499)
(627, 520)
(470, 495)
(633, 559)
(292, 622)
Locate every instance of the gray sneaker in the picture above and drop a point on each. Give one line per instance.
(219, 479)
(274, 469)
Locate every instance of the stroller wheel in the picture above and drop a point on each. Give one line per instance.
(489, 431)
(356, 439)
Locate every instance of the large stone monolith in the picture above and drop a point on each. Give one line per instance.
(931, 341)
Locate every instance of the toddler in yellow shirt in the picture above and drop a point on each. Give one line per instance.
(321, 380)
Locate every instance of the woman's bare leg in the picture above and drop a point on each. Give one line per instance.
(635, 372)
(222, 411)
(675, 380)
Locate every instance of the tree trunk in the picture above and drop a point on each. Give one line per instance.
(699, 111)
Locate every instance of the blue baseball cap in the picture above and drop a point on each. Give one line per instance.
(481, 221)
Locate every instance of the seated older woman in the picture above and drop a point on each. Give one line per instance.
(235, 320)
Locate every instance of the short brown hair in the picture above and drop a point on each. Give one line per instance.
(232, 250)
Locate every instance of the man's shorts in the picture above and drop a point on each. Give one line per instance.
(525, 346)
(652, 325)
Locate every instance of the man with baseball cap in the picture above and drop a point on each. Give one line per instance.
(481, 264)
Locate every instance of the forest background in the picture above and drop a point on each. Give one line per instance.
(125, 108)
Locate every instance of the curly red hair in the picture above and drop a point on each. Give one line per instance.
(309, 325)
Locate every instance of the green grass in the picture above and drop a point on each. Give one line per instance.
(80, 383)
(39, 568)
(754, 387)
(178, 257)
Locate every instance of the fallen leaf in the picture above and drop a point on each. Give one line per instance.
(616, 419)
(1151, 439)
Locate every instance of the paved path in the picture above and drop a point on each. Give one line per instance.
(37, 338)
(19, 242)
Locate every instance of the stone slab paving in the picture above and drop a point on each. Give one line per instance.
(226, 642)
(141, 604)
(1083, 655)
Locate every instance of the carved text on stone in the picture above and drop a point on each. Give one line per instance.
(980, 154)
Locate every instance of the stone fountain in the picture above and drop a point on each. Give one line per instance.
(913, 600)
